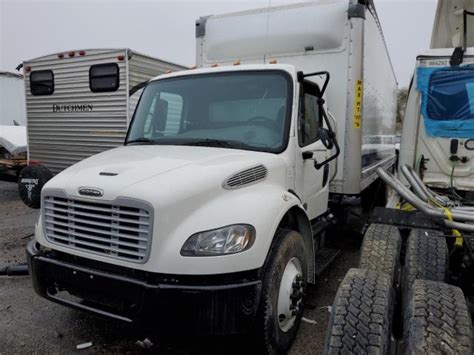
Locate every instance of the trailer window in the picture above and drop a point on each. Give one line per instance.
(42, 82)
(104, 77)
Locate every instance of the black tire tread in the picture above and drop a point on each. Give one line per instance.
(437, 320)
(426, 257)
(381, 250)
(360, 319)
(285, 240)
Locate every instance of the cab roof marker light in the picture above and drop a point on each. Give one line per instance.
(168, 72)
(193, 67)
(120, 57)
(237, 62)
(215, 65)
(60, 55)
(27, 68)
(273, 61)
(82, 53)
(71, 54)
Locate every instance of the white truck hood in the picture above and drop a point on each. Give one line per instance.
(143, 171)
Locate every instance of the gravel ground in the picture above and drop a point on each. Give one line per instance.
(30, 324)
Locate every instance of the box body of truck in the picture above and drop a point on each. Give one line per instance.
(335, 36)
(79, 103)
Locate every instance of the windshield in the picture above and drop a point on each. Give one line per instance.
(451, 94)
(242, 110)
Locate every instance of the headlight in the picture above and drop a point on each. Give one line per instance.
(223, 241)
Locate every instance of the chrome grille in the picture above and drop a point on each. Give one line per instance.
(246, 177)
(112, 230)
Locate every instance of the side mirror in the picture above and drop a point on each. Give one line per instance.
(326, 138)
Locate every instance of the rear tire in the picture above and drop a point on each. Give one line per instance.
(437, 320)
(361, 315)
(426, 258)
(281, 304)
(31, 181)
(381, 250)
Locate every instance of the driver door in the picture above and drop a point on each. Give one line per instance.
(314, 182)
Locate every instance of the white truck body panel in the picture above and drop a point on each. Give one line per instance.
(314, 37)
(12, 114)
(90, 122)
(448, 24)
(12, 99)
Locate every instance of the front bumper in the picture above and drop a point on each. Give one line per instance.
(203, 305)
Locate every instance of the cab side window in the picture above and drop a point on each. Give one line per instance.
(310, 120)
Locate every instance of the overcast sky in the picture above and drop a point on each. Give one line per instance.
(165, 29)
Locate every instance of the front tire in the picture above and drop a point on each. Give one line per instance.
(284, 283)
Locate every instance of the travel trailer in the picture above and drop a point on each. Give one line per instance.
(79, 103)
(212, 217)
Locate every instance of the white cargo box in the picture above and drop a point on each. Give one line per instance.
(339, 36)
(79, 103)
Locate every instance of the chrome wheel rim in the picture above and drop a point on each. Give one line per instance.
(290, 295)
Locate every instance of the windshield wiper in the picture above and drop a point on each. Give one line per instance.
(217, 143)
(140, 140)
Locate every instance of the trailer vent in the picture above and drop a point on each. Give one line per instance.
(246, 177)
(116, 231)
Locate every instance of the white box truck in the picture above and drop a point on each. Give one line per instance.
(417, 259)
(212, 217)
(79, 103)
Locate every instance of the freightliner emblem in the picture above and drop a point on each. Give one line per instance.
(89, 191)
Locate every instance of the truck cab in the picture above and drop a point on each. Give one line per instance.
(216, 163)
(438, 129)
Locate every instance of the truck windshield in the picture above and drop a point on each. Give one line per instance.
(242, 110)
(451, 94)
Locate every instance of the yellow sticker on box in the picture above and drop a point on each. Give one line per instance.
(358, 104)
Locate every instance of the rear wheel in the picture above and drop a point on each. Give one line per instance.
(426, 258)
(381, 250)
(361, 316)
(437, 320)
(281, 306)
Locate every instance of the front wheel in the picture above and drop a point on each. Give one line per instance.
(284, 282)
